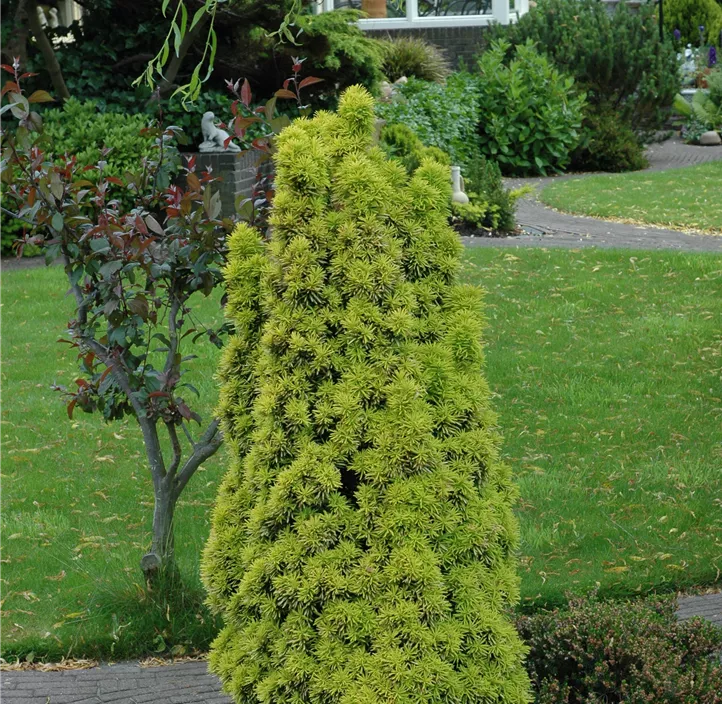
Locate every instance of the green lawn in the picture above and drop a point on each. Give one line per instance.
(687, 198)
(607, 367)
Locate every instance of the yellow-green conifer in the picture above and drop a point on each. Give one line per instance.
(362, 546)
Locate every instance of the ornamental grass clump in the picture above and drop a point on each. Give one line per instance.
(362, 546)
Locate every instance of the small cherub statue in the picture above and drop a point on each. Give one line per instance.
(214, 138)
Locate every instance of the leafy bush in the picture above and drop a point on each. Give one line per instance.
(361, 549)
(414, 57)
(608, 144)
(529, 113)
(622, 652)
(689, 15)
(400, 142)
(617, 58)
(79, 129)
(442, 116)
(705, 111)
(119, 139)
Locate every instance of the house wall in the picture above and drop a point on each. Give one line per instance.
(457, 42)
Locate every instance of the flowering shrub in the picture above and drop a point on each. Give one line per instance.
(635, 652)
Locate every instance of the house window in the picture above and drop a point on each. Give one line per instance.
(406, 14)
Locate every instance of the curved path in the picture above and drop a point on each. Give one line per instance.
(549, 228)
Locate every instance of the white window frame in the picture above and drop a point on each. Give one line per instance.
(500, 12)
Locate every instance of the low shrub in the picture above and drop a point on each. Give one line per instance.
(413, 57)
(608, 143)
(529, 114)
(633, 652)
(491, 206)
(400, 142)
(688, 16)
(80, 130)
(444, 116)
(705, 111)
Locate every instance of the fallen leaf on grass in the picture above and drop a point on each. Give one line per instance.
(57, 577)
(48, 666)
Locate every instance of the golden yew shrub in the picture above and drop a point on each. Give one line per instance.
(362, 545)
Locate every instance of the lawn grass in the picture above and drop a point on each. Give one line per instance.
(607, 367)
(686, 198)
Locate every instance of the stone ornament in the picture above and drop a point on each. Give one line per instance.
(710, 139)
(457, 186)
(215, 138)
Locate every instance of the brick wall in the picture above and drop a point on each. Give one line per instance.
(238, 172)
(457, 42)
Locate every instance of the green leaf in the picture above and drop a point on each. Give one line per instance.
(109, 268)
(197, 17)
(99, 245)
(57, 222)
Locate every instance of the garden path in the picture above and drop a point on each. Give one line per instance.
(184, 682)
(549, 228)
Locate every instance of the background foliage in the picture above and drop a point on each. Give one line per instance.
(445, 116)
(689, 15)
(617, 58)
(529, 112)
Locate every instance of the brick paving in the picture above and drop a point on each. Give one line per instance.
(125, 683)
(707, 606)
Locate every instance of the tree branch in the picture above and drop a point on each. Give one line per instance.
(149, 429)
(167, 84)
(170, 359)
(188, 434)
(46, 49)
(177, 451)
(209, 443)
(145, 58)
(19, 43)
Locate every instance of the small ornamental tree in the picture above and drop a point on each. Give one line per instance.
(362, 546)
(133, 268)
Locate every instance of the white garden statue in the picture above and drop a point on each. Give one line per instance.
(214, 138)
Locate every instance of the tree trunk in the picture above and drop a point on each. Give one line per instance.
(159, 566)
(46, 49)
(18, 45)
(159, 563)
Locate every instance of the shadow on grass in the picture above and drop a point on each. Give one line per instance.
(132, 622)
